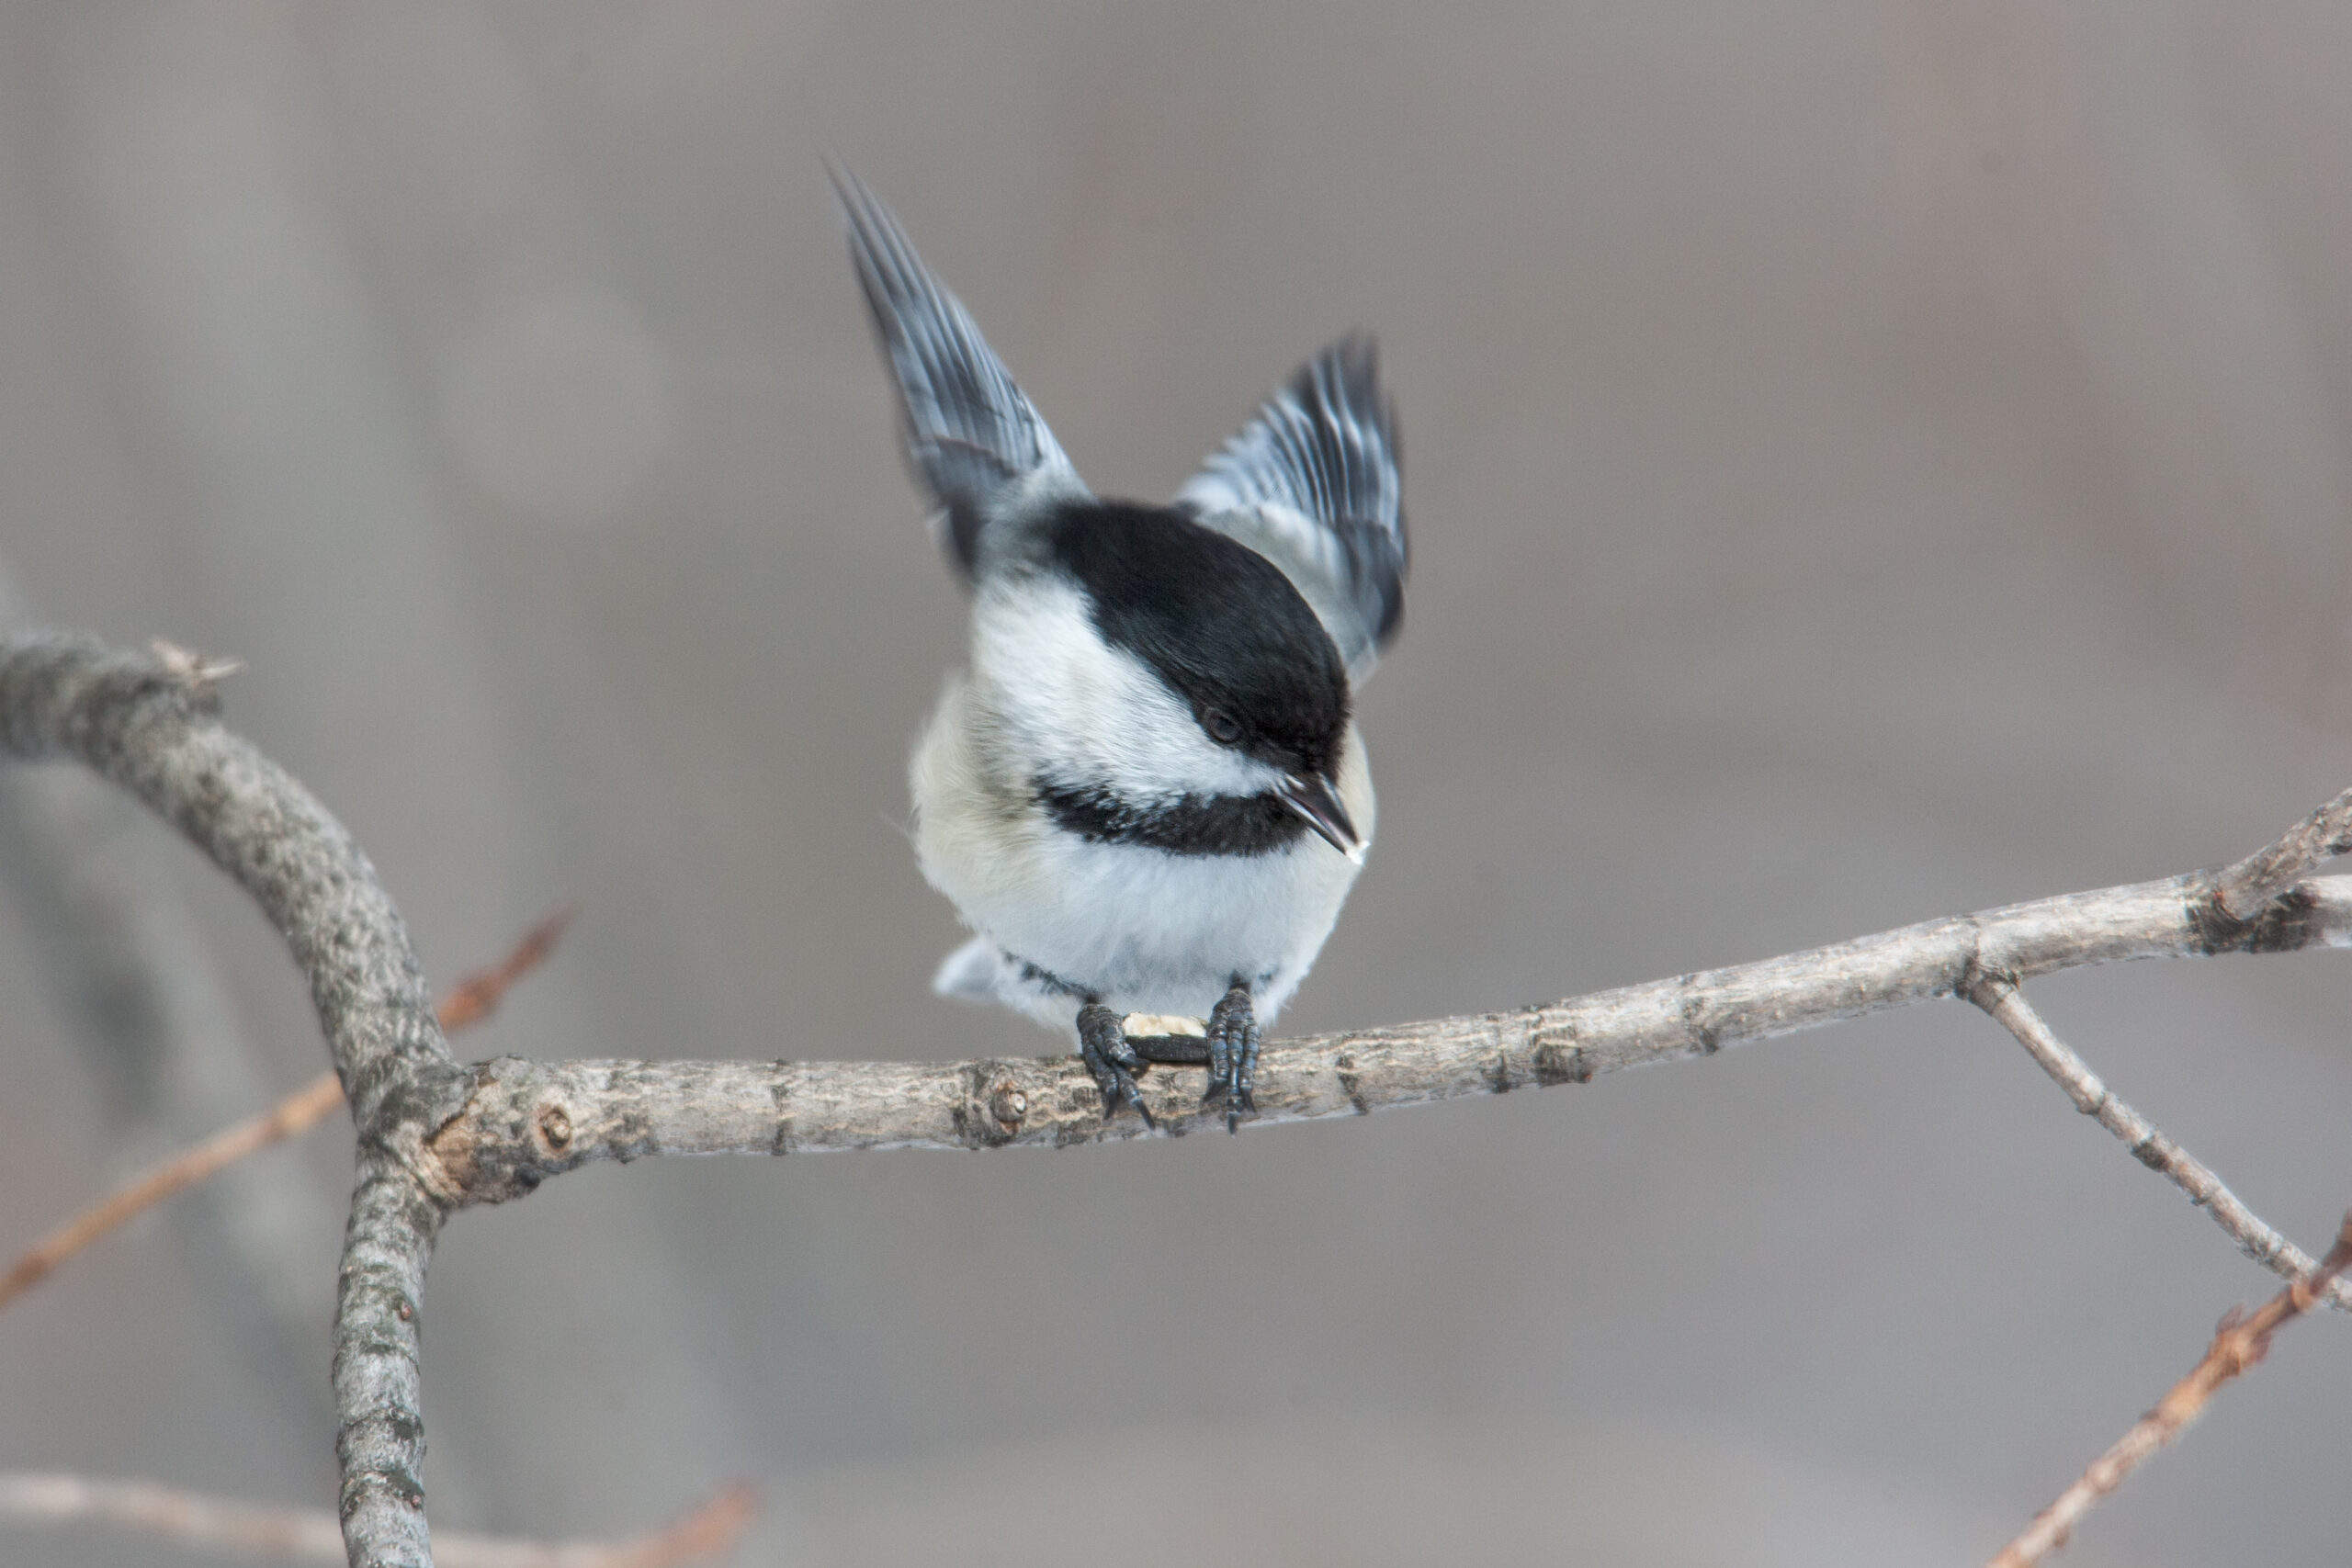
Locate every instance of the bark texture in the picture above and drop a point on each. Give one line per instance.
(525, 1121)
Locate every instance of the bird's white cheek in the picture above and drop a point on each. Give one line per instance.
(1356, 786)
(1075, 708)
(1151, 746)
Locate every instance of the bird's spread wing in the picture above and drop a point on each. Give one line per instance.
(979, 441)
(1315, 484)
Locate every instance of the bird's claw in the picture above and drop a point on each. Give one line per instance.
(1102, 1045)
(1234, 1037)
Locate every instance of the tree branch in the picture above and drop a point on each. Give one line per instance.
(152, 728)
(708, 1530)
(2150, 1146)
(525, 1121)
(2239, 1344)
(476, 996)
(435, 1137)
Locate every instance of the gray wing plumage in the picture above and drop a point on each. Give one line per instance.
(973, 433)
(1314, 483)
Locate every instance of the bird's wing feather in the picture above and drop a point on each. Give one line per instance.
(1314, 483)
(978, 442)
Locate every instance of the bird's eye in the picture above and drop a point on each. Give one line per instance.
(1220, 725)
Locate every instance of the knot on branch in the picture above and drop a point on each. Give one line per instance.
(1985, 978)
(516, 1129)
(62, 694)
(995, 1104)
(201, 676)
(2287, 923)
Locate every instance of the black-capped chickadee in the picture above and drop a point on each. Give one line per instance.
(1147, 795)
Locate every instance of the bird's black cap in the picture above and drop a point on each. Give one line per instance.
(1219, 623)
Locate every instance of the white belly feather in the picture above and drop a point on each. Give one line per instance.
(1145, 931)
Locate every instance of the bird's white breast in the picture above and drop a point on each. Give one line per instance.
(1146, 931)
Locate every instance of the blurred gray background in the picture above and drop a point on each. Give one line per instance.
(1867, 462)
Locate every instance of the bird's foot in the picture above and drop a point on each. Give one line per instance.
(1234, 1038)
(1102, 1043)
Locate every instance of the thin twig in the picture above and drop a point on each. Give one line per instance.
(2240, 891)
(472, 999)
(707, 1531)
(297, 1111)
(2150, 1146)
(477, 996)
(2240, 1343)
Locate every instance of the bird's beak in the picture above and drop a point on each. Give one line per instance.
(1312, 798)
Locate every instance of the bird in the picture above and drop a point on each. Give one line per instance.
(1146, 794)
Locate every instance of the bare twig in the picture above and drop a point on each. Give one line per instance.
(2240, 891)
(706, 1532)
(194, 671)
(470, 1001)
(2240, 1343)
(299, 1111)
(2150, 1146)
(435, 1137)
(477, 996)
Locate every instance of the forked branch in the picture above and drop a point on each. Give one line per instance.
(2150, 1148)
(436, 1136)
